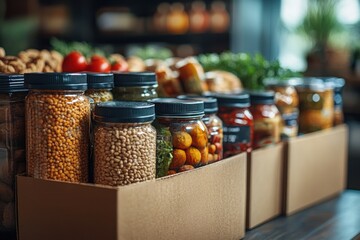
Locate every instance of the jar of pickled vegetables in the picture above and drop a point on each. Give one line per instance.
(316, 104)
(238, 123)
(267, 118)
(99, 86)
(287, 101)
(214, 126)
(182, 136)
(135, 86)
(12, 145)
(338, 85)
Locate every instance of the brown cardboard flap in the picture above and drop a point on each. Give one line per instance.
(316, 167)
(265, 184)
(207, 203)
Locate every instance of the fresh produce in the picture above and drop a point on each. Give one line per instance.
(98, 64)
(251, 70)
(74, 62)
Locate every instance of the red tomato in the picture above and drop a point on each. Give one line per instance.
(120, 66)
(74, 62)
(98, 64)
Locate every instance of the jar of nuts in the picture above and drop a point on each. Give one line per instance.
(214, 126)
(57, 126)
(12, 144)
(99, 86)
(125, 143)
(182, 136)
(135, 86)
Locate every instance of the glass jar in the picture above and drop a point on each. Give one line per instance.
(287, 101)
(57, 126)
(316, 104)
(238, 123)
(12, 144)
(135, 86)
(267, 119)
(182, 136)
(99, 86)
(125, 143)
(338, 85)
(214, 126)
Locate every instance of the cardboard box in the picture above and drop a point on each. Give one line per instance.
(206, 203)
(265, 185)
(316, 168)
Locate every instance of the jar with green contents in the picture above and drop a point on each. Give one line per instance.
(135, 86)
(12, 145)
(99, 87)
(182, 136)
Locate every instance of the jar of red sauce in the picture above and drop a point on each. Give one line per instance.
(238, 123)
(267, 119)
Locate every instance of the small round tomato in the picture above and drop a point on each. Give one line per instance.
(122, 66)
(74, 62)
(98, 64)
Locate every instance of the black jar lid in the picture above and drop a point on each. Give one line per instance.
(134, 79)
(12, 83)
(210, 104)
(262, 97)
(240, 100)
(100, 80)
(173, 107)
(124, 112)
(56, 81)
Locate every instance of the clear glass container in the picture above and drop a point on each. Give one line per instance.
(125, 143)
(287, 101)
(182, 136)
(12, 145)
(238, 126)
(135, 86)
(99, 86)
(57, 126)
(267, 119)
(338, 85)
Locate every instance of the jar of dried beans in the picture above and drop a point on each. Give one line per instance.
(57, 126)
(125, 143)
(267, 118)
(237, 123)
(182, 136)
(12, 144)
(135, 86)
(99, 86)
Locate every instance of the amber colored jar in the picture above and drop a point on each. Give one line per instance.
(316, 104)
(238, 125)
(177, 21)
(267, 119)
(57, 126)
(338, 85)
(199, 17)
(287, 101)
(12, 145)
(182, 136)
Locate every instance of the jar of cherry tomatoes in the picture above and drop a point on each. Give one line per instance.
(182, 136)
(267, 119)
(213, 124)
(238, 123)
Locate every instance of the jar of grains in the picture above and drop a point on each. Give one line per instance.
(57, 126)
(135, 86)
(316, 104)
(182, 136)
(99, 86)
(214, 126)
(267, 119)
(287, 101)
(238, 123)
(12, 144)
(125, 143)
